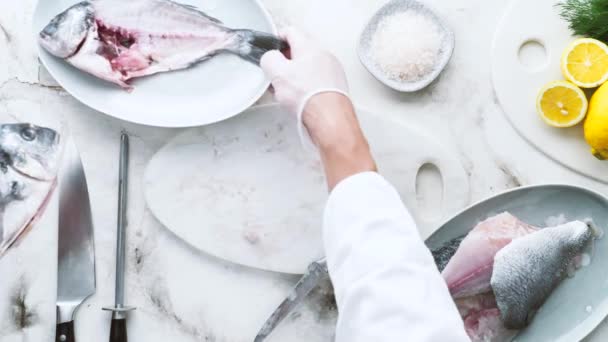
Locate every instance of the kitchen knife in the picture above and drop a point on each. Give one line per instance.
(317, 271)
(76, 253)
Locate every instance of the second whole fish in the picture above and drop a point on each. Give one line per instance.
(118, 40)
(29, 159)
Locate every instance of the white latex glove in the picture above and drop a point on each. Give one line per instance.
(310, 71)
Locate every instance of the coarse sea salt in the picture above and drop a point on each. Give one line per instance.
(406, 45)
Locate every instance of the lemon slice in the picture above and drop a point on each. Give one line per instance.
(585, 62)
(561, 104)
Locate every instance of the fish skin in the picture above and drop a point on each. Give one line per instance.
(29, 158)
(118, 40)
(469, 270)
(486, 326)
(528, 269)
(443, 254)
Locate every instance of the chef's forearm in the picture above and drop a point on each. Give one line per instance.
(333, 126)
(387, 286)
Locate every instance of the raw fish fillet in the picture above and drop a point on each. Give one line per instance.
(469, 271)
(528, 269)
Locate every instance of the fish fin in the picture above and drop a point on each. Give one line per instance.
(197, 11)
(254, 44)
(14, 239)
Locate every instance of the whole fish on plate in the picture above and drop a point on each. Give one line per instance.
(29, 158)
(119, 40)
(502, 272)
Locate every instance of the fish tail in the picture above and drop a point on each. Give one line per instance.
(252, 45)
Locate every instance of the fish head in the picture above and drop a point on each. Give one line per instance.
(31, 150)
(65, 33)
(13, 187)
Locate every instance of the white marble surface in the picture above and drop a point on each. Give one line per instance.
(185, 295)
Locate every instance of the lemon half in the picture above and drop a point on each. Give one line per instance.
(561, 104)
(585, 62)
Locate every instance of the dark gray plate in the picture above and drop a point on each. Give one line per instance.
(580, 303)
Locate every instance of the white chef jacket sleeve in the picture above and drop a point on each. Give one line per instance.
(386, 283)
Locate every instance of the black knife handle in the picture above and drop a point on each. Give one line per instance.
(65, 332)
(118, 330)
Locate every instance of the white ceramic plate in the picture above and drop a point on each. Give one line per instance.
(525, 56)
(244, 190)
(209, 92)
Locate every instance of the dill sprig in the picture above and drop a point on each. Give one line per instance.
(586, 17)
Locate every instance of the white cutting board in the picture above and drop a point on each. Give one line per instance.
(244, 190)
(518, 76)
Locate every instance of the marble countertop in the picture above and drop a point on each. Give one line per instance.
(185, 295)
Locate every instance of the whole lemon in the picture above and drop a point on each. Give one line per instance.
(596, 123)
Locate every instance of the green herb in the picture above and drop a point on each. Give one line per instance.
(586, 17)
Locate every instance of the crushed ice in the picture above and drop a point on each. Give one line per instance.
(557, 220)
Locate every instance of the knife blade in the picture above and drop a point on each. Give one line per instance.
(316, 272)
(76, 252)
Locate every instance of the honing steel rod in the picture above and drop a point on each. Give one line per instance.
(118, 329)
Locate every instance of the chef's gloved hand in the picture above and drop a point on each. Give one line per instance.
(310, 70)
(311, 84)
